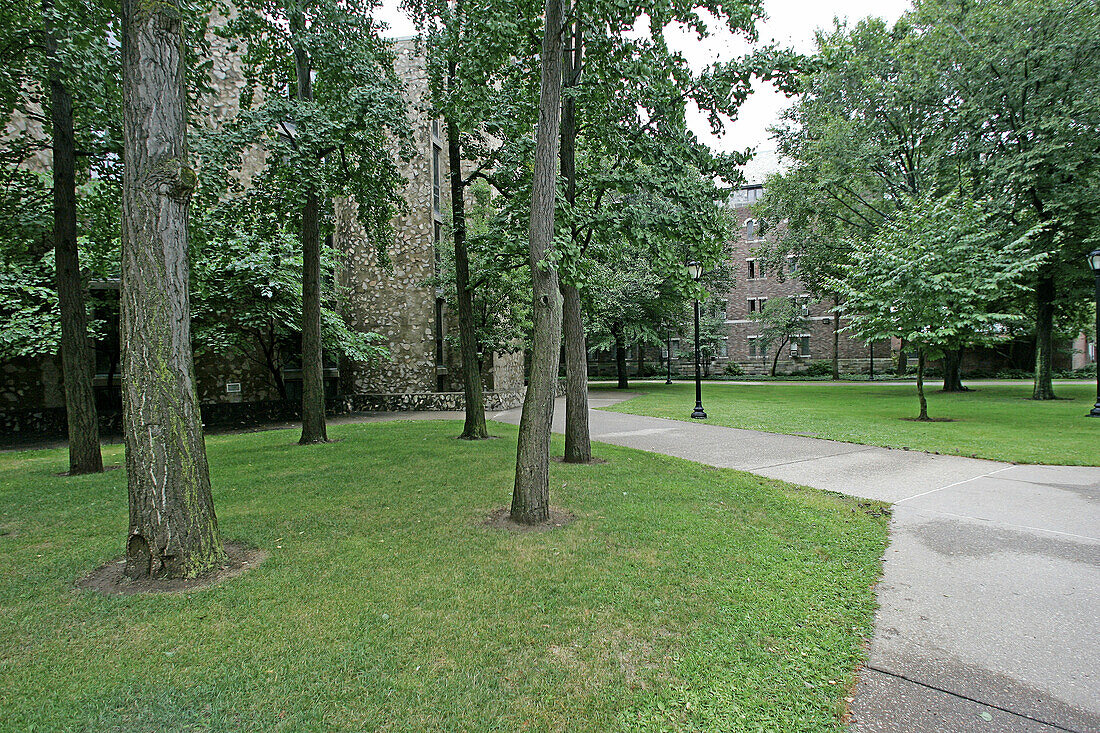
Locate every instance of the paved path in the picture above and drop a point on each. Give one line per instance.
(989, 614)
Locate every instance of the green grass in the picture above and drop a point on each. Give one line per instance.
(999, 422)
(682, 598)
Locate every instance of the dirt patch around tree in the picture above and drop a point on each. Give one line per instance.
(929, 419)
(110, 580)
(502, 519)
(594, 462)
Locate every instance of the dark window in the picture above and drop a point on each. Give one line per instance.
(752, 269)
(436, 151)
(439, 331)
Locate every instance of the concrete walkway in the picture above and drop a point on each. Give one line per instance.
(989, 614)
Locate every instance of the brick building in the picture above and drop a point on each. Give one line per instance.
(754, 284)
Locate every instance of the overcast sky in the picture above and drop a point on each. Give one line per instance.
(789, 22)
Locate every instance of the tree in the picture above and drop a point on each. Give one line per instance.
(247, 299)
(531, 493)
(1021, 80)
(173, 530)
(927, 278)
(58, 57)
(627, 151)
(474, 49)
(327, 135)
(781, 320)
(866, 130)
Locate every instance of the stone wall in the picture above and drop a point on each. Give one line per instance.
(396, 298)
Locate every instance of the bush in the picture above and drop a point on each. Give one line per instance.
(1085, 372)
(733, 369)
(819, 369)
(1014, 374)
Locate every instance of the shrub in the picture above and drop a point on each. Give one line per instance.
(733, 369)
(819, 369)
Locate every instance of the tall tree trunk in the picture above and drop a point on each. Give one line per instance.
(620, 356)
(1044, 339)
(903, 362)
(578, 441)
(640, 372)
(313, 379)
(76, 364)
(920, 386)
(173, 531)
(531, 495)
(836, 339)
(474, 427)
(952, 371)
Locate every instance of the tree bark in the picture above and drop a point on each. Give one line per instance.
(76, 362)
(1043, 388)
(775, 360)
(313, 379)
(474, 427)
(531, 494)
(578, 441)
(903, 362)
(620, 356)
(920, 386)
(173, 530)
(836, 339)
(952, 371)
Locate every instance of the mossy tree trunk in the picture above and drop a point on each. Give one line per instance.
(173, 530)
(313, 379)
(903, 361)
(578, 441)
(531, 494)
(1043, 388)
(474, 427)
(76, 362)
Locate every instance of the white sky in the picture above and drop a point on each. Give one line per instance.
(789, 23)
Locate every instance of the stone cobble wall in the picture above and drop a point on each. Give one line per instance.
(396, 299)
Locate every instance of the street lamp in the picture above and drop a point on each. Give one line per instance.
(1094, 263)
(695, 271)
(668, 352)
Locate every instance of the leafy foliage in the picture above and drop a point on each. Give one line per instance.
(780, 320)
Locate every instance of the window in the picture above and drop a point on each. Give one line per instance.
(756, 304)
(752, 269)
(754, 349)
(750, 229)
(721, 307)
(803, 302)
(439, 331)
(437, 239)
(800, 345)
(435, 128)
(724, 348)
(792, 264)
(436, 151)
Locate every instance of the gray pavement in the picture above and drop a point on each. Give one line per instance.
(989, 615)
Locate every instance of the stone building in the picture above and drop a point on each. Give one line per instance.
(396, 300)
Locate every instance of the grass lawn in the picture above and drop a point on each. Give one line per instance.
(682, 598)
(997, 422)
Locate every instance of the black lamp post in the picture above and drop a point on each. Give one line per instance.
(1094, 263)
(695, 270)
(668, 353)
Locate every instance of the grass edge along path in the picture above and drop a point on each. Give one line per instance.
(992, 421)
(682, 597)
